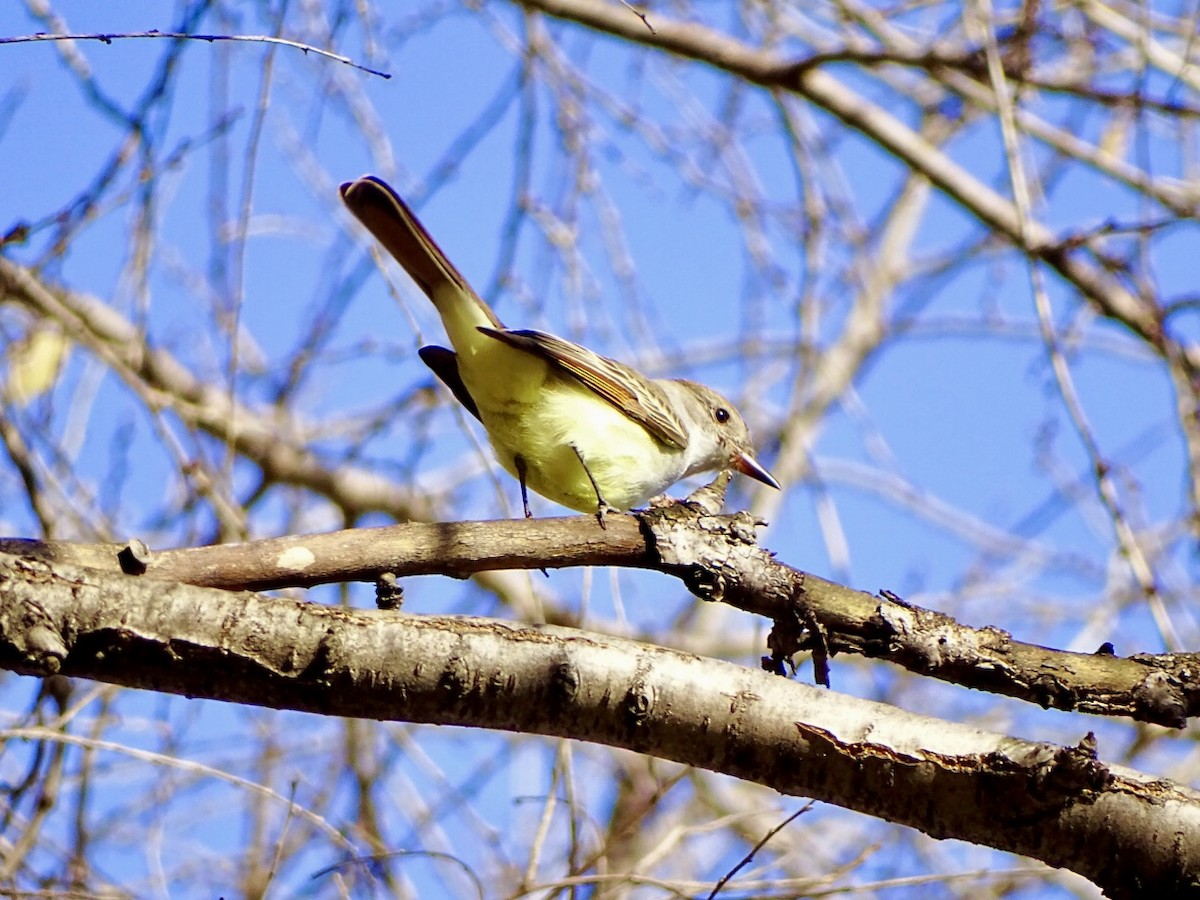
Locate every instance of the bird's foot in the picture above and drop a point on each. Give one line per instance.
(602, 510)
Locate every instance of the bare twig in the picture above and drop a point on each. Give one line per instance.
(108, 38)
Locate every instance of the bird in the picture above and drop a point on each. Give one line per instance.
(578, 428)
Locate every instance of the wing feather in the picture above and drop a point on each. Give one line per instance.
(628, 390)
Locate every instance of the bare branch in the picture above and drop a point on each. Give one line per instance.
(717, 559)
(1060, 805)
(179, 36)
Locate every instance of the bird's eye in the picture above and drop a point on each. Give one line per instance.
(721, 414)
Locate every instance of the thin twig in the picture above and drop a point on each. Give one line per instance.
(753, 850)
(249, 38)
(641, 15)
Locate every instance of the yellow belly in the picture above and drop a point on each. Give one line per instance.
(532, 410)
(628, 465)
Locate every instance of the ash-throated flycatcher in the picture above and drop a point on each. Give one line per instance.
(580, 429)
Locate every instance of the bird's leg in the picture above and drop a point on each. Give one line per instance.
(602, 506)
(522, 469)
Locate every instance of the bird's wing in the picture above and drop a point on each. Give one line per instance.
(632, 393)
(444, 363)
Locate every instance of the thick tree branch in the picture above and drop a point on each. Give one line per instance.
(718, 559)
(1126, 831)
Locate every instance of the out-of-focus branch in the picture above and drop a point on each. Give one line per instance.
(1181, 198)
(260, 436)
(766, 68)
(1106, 488)
(863, 333)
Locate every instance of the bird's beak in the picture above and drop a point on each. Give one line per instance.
(748, 465)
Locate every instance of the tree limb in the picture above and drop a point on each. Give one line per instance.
(1126, 831)
(718, 559)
